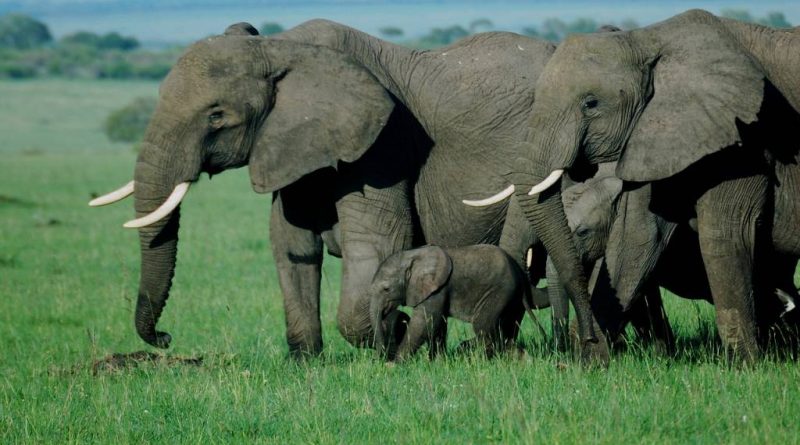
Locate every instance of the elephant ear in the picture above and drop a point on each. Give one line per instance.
(327, 108)
(429, 271)
(241, 29)
(705, 84)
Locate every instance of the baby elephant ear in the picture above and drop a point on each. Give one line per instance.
(429, 271)
(241, 29)
(705, 84)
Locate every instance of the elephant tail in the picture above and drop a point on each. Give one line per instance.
(527, 301)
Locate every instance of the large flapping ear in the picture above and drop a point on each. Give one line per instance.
(327, 108)
(429, 271)
(704, 84)
(241, 29)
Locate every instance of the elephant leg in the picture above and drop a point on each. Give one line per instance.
(777, 315)
(730, 221)
(509, 323)
(427, 321)
(439, 341)
(650, 321)
(298, 258)
(374, 224)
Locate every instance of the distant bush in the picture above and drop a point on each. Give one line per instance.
(270, 28)
(22, 32)
(773, 19)
(13, 70)
(129, 123)
(556, 30)
(111, 40)
(391, 32)
(440, 37)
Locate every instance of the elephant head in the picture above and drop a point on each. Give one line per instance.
(655, 99)
(405, 278)
(284, 108)
(590, 210)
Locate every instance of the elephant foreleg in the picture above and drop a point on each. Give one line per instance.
(374, 225)
(298, 258)
(730, 221)
(427, 322)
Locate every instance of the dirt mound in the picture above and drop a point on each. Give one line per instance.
(119, 361)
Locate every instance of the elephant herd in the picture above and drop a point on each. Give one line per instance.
(613, 164)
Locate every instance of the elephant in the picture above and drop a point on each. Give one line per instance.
(701, 109)
(367, 147)
(592, 210)
(478, 284)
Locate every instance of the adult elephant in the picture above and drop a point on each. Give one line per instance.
(618, 227)
(705, 110)
(368, 146)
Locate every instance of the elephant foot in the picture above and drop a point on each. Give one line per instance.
(591, 353)
(302, 354)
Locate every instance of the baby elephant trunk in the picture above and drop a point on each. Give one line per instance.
(376, 318)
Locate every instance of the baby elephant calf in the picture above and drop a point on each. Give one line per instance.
(478, 284)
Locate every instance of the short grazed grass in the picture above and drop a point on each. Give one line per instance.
(68, 275)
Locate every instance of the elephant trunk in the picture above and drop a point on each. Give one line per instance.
(539, 194)
(154, 182)
(376, 318)
(550, 223)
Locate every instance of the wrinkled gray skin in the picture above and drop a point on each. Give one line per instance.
(369, 147)
(478, 284)
(591, 209)
(704, 110)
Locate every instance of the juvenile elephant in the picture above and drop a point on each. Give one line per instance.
(704, 110)
(478, 284)
(368, 147)
(591, 210)
(598, 204)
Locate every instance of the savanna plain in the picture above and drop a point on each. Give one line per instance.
(68, 276)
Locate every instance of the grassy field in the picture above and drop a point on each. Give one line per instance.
(68, 275)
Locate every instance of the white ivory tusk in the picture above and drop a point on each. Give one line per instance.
(529, 258)
(110, 198)
(787, 300)
(492, 199)
(165, 209)
(548, 181)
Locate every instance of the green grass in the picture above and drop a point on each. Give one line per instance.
(62, 116)
(68, 275)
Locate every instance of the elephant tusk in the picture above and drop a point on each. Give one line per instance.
(548, 181)
(110, 198)
(787, 300)
(165, 209)
(492, 199)
(529, 258)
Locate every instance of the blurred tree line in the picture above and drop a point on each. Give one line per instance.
(27, 49)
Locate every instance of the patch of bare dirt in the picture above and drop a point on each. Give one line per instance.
(119, 361)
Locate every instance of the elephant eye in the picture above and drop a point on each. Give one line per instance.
(582, 231)
(215, 119)
(589, 104)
